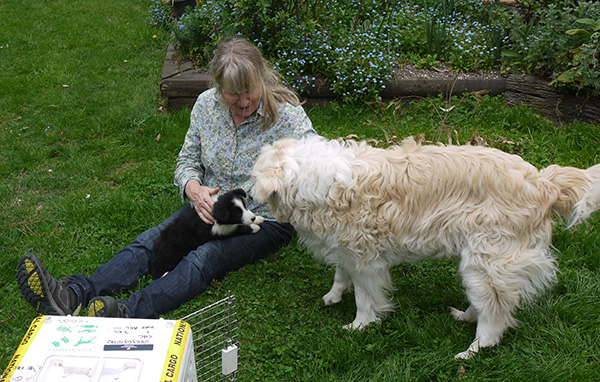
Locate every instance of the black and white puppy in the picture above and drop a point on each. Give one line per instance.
(187, 232)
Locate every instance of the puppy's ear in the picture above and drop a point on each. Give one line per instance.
(221, 209)
(239, 192)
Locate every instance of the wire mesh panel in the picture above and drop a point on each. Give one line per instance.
(215, 332)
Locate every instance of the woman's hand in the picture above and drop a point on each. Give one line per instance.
(201, 198)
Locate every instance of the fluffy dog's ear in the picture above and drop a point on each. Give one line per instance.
(269, 171)
(266, 182)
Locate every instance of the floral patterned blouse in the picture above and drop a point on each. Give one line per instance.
(220, 156)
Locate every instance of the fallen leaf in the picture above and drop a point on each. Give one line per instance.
(158, 137)
(461, 371)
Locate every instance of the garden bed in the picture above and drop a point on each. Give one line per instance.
(181, 83)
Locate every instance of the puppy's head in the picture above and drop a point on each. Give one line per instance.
(230, 208)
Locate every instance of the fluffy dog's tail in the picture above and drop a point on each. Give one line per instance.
(579, 194)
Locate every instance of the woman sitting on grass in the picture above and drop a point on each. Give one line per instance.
(247, 108)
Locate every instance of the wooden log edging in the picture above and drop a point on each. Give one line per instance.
(561, 106)
(181, 82)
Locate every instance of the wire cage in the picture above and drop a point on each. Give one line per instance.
(216, 340)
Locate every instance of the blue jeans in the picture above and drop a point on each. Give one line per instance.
(194, 273)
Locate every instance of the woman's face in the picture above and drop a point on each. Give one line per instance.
(243, 105)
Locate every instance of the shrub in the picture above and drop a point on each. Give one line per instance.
(584, 68)
(541, 43)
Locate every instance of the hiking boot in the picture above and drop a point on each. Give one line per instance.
(105, 306)
(46, 294)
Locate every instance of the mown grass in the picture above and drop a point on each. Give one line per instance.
(83, 173)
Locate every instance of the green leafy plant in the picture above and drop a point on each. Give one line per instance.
(547, 42)
(427, 61)
(584, 71)
(437, 28)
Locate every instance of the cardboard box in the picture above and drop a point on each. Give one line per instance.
(93, 349)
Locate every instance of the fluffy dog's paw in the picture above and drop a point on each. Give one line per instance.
(469, 316)
(464, 356)
(332, 298)
(356, 325)
(255, 228)
(259, 220)
(457, 314)
(470, 352)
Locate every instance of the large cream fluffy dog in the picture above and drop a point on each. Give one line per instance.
(366, 209)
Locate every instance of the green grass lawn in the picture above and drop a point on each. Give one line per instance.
(82, 173)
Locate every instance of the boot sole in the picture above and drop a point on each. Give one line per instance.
(35, 288)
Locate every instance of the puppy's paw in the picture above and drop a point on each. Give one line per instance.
(259, 220)
(255, 228)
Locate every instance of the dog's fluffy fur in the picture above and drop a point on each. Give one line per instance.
(366, 209)
(187, 232)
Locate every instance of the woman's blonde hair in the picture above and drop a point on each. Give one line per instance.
(238, 66)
